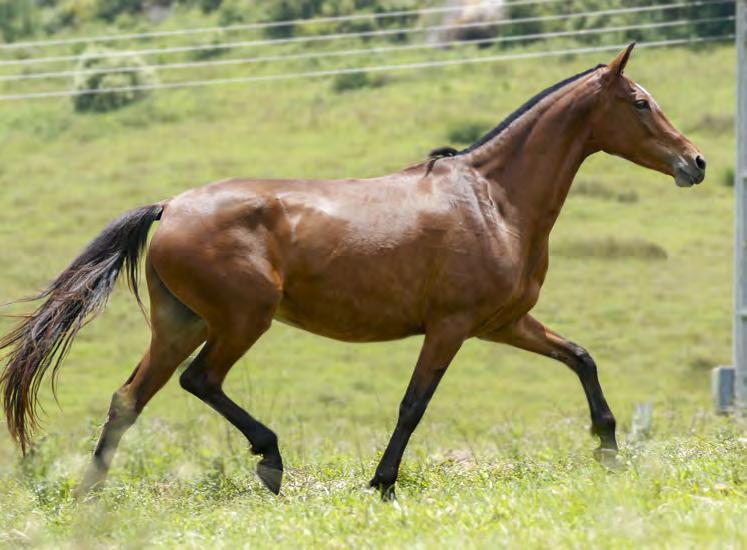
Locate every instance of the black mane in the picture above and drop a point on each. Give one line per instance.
(450, 151)
(442, 152)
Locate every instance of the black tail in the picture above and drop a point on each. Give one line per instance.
(75, 296)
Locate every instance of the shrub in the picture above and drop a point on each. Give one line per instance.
(233, 12)
(95, 72)
(208, 6)
(351, 81)
(466, 132)
(284, 10)
(611, 248)
(68, 13)
(210, 46)
(111, 9)
(728, 175)
(598, 190)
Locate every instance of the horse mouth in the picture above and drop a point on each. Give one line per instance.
(687, 178)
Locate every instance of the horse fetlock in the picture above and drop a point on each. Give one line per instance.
(265, 444)
(604, 425)
(604, 428)
(383, 478)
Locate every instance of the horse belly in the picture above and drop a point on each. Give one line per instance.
(353, 306)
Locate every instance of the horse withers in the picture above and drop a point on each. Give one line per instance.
(453, 247)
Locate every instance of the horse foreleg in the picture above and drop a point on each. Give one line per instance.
(529, 334)
(439, 348)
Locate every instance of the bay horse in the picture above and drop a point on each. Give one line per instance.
(454, 247)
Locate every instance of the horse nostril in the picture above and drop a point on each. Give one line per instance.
(700, 162)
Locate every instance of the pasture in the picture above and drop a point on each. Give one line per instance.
(640, 274)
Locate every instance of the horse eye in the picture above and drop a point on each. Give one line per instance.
(641, 105)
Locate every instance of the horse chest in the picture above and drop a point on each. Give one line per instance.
(511, 287)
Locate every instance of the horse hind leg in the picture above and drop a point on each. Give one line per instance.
(176, 332)
(227, 342)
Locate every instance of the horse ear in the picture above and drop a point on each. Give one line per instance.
(617, 65)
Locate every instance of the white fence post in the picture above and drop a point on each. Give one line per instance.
(729, 383)
(740, 210)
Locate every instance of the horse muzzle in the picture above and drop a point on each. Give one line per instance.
(689, 171)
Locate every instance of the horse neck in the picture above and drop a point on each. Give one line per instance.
(531, 164)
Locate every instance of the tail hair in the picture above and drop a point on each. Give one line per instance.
(76, 296)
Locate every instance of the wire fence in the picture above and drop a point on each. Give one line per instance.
(367, 51)
(273, 60)
(372, 69)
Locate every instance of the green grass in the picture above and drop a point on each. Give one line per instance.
(503, 456)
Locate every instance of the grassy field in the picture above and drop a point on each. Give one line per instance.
(641, 275)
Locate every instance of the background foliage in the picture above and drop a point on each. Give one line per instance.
(22, 19)
(125, 73)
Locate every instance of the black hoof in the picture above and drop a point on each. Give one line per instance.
(388, 494)
(386, 490)
(270, 473)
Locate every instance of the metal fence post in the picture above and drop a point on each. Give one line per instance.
(740, 210)
(729, 383)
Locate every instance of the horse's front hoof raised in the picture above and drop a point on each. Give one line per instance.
(270, 473)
